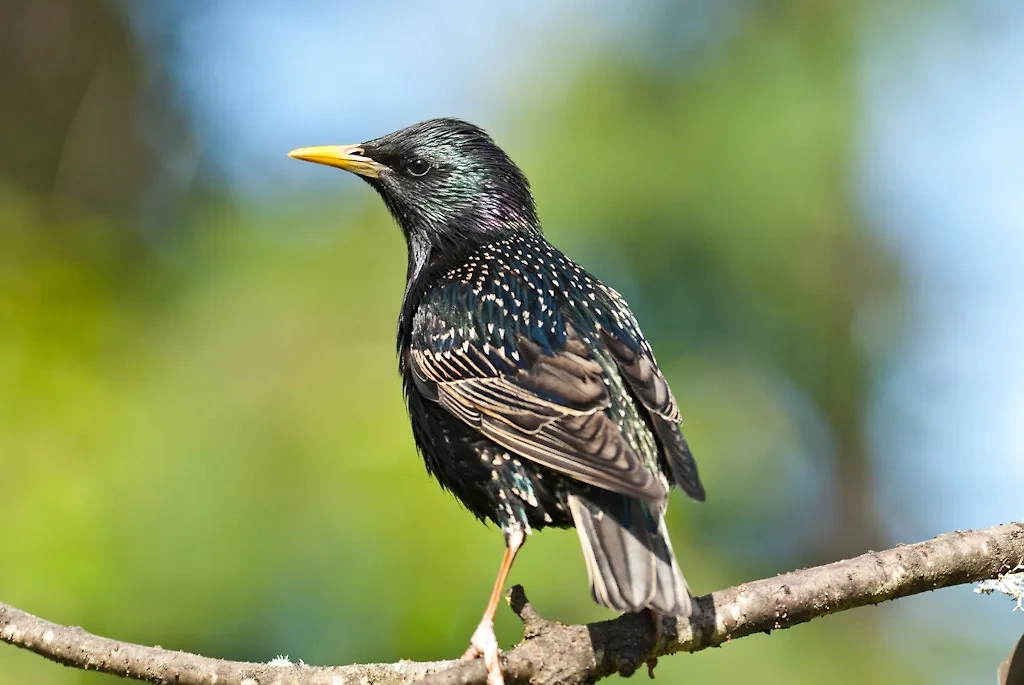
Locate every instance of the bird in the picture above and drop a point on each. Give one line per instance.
(533, 395)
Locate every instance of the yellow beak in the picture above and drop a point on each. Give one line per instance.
(347, 157)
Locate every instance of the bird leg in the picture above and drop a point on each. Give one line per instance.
(658, 627)
(483, 642)
(652, 662)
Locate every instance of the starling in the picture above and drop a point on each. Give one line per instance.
(534, 397)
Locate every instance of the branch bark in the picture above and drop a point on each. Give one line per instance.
(557, 653)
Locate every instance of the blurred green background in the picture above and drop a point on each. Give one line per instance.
(813, 207)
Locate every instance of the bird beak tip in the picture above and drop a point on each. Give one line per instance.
(310, 154)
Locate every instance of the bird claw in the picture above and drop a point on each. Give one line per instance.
(484, 643)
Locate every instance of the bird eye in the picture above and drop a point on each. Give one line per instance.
(418, 167)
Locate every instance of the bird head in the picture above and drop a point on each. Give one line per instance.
(446, 182)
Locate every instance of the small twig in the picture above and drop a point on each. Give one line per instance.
(553, 652)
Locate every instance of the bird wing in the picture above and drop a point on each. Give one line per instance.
(638, 367)
(545, 403)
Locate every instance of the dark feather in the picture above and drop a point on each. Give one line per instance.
(648, 384)
(519, 346)
(628, 555)
(672, 596)
(550, 410)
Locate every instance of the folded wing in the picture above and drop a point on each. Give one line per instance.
(546, 405)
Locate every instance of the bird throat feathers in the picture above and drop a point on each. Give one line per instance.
(454, 220)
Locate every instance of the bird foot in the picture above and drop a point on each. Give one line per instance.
(484, 643)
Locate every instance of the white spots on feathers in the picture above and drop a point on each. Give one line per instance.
(521, 286)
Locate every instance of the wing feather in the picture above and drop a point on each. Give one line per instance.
(641, 372)
(550, 410)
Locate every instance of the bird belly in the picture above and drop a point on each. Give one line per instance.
(522, 493)
(494, 483)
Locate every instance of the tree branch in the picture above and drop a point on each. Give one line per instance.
(557, 653)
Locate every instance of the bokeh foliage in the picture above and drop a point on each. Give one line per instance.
(202, 439)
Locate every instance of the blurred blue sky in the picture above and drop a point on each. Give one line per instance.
(942, 178)
(258, 81)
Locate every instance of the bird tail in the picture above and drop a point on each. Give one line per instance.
(628, 554)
